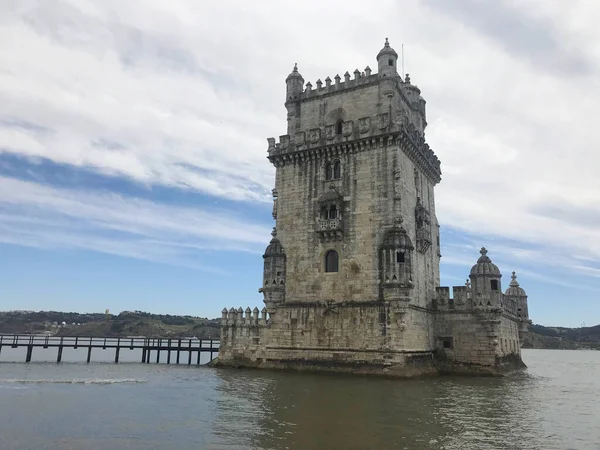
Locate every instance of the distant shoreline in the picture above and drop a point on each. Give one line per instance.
(143, 324)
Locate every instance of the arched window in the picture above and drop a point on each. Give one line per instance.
(338, 127)
(331, 261)
(337, 170)
(328, 171)
(324, 213)
(332, 212)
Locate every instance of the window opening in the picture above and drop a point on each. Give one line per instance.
(494, 284)
(337, 170)
(332, 212)
(447, 342)
(338, 128)
(331, 261)
(390, 62)
(400, 257)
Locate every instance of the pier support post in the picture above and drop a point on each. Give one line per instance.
(89, 355)
(29, 352)
(117, 354)
(211, 350)
(60, 349)
(143, 355)
(190, 352)
(178, 349)
(169, 352)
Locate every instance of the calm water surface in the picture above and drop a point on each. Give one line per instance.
(133, 406)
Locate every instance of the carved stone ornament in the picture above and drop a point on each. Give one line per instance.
(299, 138)
(347, 128)
(401, 119)
(314, 135)
(364, 124)
(330, 131)
(284, 140)
(397, 182)
(383, 120)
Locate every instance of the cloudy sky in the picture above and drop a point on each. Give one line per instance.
(133, 171)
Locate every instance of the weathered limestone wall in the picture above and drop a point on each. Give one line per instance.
(367, 188)
(477, 340)
(360, 338)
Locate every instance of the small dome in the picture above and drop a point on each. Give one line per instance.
(397, 237)
(485, 266)
(294, 74)
(514, 290)
(274, 248)
(387, 50)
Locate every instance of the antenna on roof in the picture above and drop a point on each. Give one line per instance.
(402, 59)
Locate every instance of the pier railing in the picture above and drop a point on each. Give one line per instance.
(151, 347)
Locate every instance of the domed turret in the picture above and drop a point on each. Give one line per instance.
(387, 58)
(514, 290)
(485, 266)
(273, 287)
(519, 296)
(485, 279)
(294, 84)
(274, 248)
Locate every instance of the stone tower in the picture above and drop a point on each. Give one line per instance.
(351, 276)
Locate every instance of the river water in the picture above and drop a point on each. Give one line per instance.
(554, 405)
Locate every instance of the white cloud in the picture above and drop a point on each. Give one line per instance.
(35, 215)
(184, 94)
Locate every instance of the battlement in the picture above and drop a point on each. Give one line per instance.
(460, 299)
(239, 317)
(360, 79)
(360, 134)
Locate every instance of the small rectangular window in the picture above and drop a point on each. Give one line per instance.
(390, 62)
(447, 342)
(494, 284)
(400, 257)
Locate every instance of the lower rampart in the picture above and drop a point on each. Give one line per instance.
(372, 339)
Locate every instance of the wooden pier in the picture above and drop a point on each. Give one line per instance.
(191, 348)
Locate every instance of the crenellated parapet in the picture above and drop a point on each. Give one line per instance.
(458, 300)
(320, 89)
(239, 317)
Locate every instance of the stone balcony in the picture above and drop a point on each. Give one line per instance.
(330, 229)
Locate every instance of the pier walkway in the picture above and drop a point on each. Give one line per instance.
(151, 348)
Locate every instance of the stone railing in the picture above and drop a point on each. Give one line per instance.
(330, 224)
(330, 229)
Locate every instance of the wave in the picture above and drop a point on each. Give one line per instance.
(77, 381)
